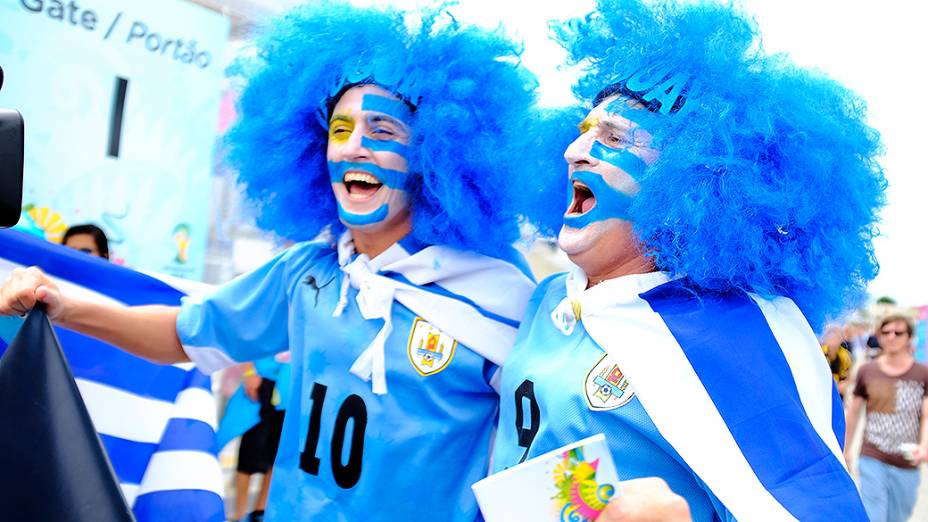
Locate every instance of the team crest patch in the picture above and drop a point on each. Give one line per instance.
(430, 350)
(606, 387)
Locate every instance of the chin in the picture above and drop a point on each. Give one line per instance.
(576, 241)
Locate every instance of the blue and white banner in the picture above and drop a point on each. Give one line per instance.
(157, 422)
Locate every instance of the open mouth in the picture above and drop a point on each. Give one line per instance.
(361, 185)
(583, 200)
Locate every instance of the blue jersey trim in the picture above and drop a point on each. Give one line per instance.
(755, 394)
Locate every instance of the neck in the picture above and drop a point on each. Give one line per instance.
(900, 358)
(374, 243)
(636, 265)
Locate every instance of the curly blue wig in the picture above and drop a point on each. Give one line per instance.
(767, 179)
(471, 99)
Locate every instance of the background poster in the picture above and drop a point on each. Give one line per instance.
(121, 102)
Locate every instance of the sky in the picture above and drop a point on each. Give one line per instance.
(873, 50)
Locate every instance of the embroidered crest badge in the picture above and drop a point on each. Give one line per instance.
(430, 350)
(606, 387)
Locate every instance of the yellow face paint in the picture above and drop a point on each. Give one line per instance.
(340, 128)
(587, 124)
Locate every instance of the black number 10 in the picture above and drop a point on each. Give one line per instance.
(346, 475)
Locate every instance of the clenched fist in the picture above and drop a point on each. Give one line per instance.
(25, 288)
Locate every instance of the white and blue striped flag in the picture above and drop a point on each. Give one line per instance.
(157, 423)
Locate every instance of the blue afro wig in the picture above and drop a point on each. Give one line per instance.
(767, 180)
(471, 98)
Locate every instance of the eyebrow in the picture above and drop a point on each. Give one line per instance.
(341, 117)
(387, 118)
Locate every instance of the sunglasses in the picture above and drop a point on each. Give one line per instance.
(897, 333)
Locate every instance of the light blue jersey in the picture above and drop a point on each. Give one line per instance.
(346, 453)
(558, 389)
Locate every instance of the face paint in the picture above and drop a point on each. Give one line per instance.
(391, 107)
(358, 220)
(384, 145)
(620, 158)
(610, 202)
(340, 128)
(367, 147)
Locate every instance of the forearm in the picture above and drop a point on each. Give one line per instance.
(146, 331)
(853, 417)
(923, 442)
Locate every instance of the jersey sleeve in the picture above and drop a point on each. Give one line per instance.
(245, 319)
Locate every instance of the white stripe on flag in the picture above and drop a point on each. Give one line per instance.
(125, 415)
(130, 491)
(173, 470)
(197, 404)
(67, 287)
(810, 371)
(683, 413)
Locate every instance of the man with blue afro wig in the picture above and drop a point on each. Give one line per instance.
(394, 147)
(705, 261)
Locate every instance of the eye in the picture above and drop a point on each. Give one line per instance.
(340, 130)
(615, 139)
(383, 132)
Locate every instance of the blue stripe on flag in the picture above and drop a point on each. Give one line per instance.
(118, 282)
(129, 458)
(754, 392)
(188, 435)
(95, 360)
(837, 416)
(180, 505)
(198, 379)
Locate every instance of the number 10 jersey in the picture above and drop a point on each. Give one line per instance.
(346, 453)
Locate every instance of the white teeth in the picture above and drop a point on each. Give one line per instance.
(363, 177)
(580, 185)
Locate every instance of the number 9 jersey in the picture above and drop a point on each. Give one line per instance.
(347, 453)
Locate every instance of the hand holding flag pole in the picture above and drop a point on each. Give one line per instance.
(53, 463)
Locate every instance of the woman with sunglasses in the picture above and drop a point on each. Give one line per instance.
(894, 389)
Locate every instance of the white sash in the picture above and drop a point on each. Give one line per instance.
(494, 286)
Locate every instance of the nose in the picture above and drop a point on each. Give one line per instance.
(353, 149)
(578, 152)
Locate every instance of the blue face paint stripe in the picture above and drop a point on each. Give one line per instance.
(393, 108)
(610, 202)
(713, 332)
(384, 146)
(620, 159)
(394, 179)
(363, 219)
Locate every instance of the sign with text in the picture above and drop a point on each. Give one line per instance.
(121, 101)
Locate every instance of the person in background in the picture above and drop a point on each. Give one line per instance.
(893, 389)
(87, 238)
(264, 382)
(838, 355)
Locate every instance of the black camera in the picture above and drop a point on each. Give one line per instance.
(12, 149)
